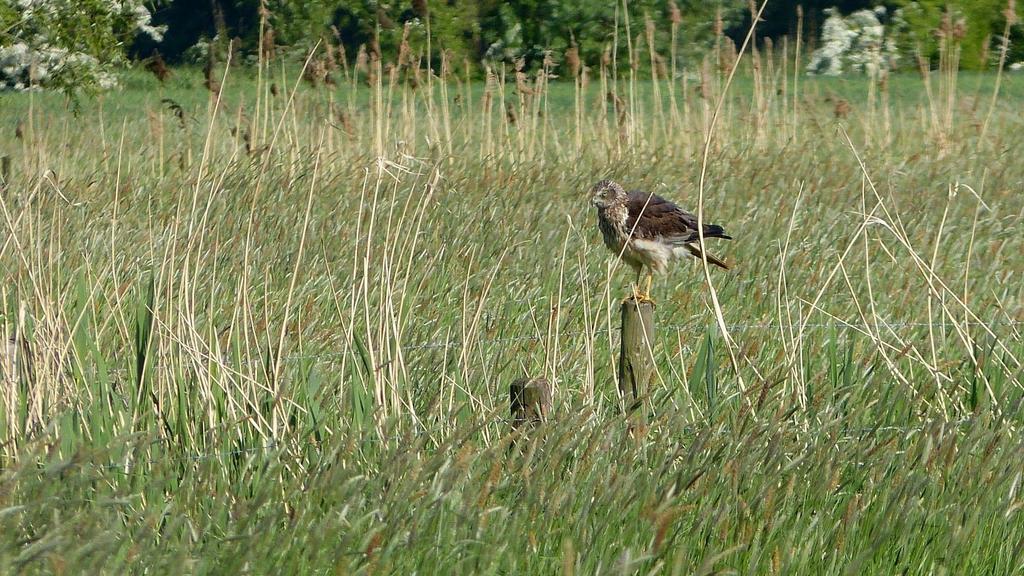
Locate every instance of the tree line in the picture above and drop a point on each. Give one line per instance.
(527, 31)
(80, 44)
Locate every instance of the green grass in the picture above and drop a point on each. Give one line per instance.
(297, 360)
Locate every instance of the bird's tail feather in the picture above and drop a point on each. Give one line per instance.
(715, 231)
(695, 250)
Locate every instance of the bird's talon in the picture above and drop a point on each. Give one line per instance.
(639, 299)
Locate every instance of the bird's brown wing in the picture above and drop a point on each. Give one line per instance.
(651, 216)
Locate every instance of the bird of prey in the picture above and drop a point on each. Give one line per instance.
(648, 232)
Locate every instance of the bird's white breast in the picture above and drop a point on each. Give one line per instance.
(652, 253)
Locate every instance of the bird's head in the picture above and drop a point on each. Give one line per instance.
(607, 193)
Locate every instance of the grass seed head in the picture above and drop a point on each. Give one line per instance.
(959, 29)
(572, 60)
(267, 44)
(674, 15)
(361, 60)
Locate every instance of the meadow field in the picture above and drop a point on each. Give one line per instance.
(272, 329)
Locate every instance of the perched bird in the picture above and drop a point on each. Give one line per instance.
(647, 231)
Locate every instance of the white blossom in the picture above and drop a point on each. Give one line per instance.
(143, 23)
(857, 42)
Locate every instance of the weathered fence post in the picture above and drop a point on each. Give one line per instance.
(636, 356)
(530, 401)
(15, 362)
(5, 170)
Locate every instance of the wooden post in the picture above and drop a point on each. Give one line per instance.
(5, 170)
(530, 401)
(636, 356)
(15, 362)
(9, 364)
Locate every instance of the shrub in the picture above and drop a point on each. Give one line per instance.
(68, 45)
(976, 25)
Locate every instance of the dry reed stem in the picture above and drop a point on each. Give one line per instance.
(719, 316)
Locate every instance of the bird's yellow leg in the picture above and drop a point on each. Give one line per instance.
(645, 296)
